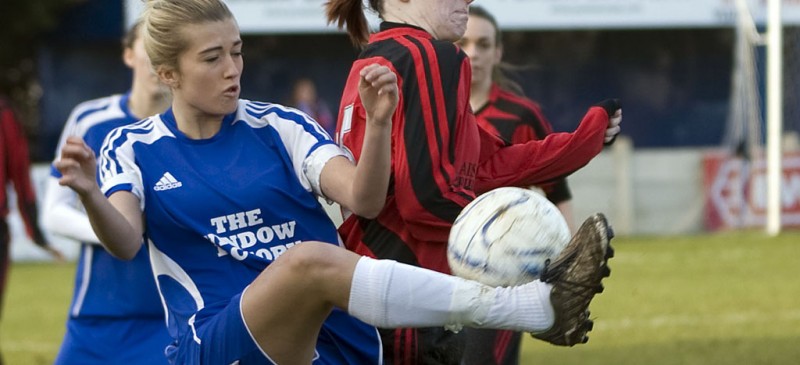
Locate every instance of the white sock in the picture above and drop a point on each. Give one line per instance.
(522, 308)
(388, 294)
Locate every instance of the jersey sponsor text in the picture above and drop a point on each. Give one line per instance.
(238, 245)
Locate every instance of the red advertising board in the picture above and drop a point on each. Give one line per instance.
(736, 191)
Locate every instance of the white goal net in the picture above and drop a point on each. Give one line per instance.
(764, 117)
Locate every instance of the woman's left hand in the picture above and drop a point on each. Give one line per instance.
(379, 95)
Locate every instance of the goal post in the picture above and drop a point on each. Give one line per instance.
(758, 79)
(774, 96)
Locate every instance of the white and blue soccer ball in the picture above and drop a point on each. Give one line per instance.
(504, 237)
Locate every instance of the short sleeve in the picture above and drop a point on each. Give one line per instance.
(118, 171)
(308, 145)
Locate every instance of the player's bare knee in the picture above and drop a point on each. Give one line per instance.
(309, 260)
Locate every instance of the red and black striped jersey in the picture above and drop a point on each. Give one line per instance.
(517, 119)
(440, 157)
(15, 169)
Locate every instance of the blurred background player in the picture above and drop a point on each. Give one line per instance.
(440, 157)
(116, 316)
(501, 108)
(499, 103)
(15, 169)
(305, 97)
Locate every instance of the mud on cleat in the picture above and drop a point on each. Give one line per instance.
(577, 275)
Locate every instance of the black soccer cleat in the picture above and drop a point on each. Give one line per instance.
(577, 275)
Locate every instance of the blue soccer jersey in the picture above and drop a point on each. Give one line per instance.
(116, 313)
(99, 291)
(219, 210)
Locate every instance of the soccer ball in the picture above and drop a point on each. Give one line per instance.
(504, 237)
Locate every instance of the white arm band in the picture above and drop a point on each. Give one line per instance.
(313, 165)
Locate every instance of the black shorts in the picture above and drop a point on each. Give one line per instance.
(422, 346)
(491, 347)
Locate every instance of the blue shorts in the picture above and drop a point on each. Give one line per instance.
(103, 341)
(224, 339)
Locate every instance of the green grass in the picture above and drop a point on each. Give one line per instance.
(731, 298)
(36, 304)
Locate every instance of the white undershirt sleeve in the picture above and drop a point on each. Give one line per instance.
(62, 215)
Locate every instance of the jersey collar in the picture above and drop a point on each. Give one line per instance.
(393, 30)
(494, 94)
(169, 120)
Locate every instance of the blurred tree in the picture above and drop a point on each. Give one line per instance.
(23, 24)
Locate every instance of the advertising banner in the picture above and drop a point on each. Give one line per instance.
(736, 192)
(592, 14)
(304, 16)
(270, 16)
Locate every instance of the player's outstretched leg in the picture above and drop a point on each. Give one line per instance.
(576, 275)
(313, 277)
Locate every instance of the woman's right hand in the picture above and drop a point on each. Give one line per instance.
(78, 166)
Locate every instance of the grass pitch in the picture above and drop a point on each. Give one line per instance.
(731, 298)
(37, 299)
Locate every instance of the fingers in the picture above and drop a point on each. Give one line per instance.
(74, 153)
(69, 169)
(76, 158)
(75, 150)
(368, 73)
(386, 83)
(379, 93)
(66, 163)
(611, 133)
(379, 77)
(613, 127)
(75, 147)
(615, 119)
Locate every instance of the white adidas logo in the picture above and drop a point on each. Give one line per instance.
(167, 182)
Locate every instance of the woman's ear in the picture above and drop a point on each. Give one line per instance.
(169, 76)
(127, 57)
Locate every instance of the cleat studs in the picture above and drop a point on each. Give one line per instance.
(609, 252)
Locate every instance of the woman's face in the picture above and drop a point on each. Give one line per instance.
(444, 19)
(209, 70)
(144, 78)
(479, 43)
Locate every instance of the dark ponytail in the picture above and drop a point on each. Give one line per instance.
(350, 13)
